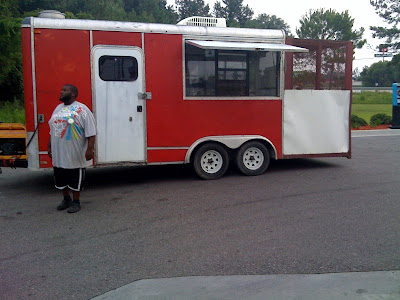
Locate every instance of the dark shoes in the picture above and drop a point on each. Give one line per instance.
(74, 206)
(64, 205)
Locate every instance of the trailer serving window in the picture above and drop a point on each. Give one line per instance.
(118, 68)
(229, 69)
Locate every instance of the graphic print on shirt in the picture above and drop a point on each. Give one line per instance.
(69, 122)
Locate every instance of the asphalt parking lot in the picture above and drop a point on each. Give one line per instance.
(304, 216)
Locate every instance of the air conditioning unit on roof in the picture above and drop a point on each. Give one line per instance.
(203, 21)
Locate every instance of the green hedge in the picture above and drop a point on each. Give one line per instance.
(356, 122)
(380, 119)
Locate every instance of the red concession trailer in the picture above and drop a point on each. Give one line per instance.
(205, 95)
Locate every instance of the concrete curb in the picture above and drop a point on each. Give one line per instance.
(355, 285)
(369, 133)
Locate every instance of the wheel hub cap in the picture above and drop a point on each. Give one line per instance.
(253, 158)
(211, 162)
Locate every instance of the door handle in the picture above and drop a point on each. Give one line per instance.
(145, 96)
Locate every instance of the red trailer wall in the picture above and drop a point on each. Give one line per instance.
(28, 80)
(174, 122)
(61, 57)
(117, 38)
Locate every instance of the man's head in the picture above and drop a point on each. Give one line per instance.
(68, 94)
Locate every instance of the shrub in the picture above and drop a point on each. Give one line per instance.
(356, 122)
(380, 119)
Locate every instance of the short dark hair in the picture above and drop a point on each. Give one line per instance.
(74, 89)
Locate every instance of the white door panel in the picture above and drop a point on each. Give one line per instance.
(120, 114)
(316, 122)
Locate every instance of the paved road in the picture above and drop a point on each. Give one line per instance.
(301, 217)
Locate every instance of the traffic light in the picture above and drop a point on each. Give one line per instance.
(383, 48)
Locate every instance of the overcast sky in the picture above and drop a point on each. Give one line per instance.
(291, 11)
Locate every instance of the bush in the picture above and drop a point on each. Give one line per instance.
(356, 122)
(380, 119)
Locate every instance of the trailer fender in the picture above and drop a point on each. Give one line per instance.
(230, 141)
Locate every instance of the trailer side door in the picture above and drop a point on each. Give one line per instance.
(119, 109)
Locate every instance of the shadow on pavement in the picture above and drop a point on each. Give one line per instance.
(123, 175)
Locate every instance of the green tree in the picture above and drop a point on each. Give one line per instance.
(9, 8)
(117, 10)
(10, 59)
(395, 67)
(87, 9)
(189, 8)
(383, 73)
(389, 10)
(328, 24)
(31, 5)
(235, 13)
(152, 11)
(10, 52)
(264, 21)
(379, 73)
(99, 9)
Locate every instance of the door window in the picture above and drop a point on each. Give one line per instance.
(118, 68)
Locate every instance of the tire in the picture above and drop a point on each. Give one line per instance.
(252, 158)
(211, 161)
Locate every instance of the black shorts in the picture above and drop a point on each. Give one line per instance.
(73, 179)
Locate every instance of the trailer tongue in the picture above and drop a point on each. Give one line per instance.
(13, 145)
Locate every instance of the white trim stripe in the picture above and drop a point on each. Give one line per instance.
(167, 148)
(61, 188)
(80, 179)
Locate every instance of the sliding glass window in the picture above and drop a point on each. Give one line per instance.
(231, 73)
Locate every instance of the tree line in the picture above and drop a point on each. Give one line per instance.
(385, 73)
(315, 24)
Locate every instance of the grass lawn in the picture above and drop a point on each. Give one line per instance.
(12, 112)
(372, 98)
(367, 104)
(365, 111)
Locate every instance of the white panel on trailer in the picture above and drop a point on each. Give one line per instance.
(119, 110)
(316, 122)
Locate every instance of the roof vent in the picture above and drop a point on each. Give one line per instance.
(51, 14)
(204, 21)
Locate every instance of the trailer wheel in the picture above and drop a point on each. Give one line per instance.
(252, 158)
(211, 161)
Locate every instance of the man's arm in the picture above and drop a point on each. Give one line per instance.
(49, 148)
(90, 148)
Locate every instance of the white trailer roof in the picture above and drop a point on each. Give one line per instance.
(244, 46)
(228, 32)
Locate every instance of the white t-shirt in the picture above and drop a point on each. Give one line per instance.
(70, 126)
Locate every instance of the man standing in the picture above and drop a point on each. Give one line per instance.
(71, 146)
